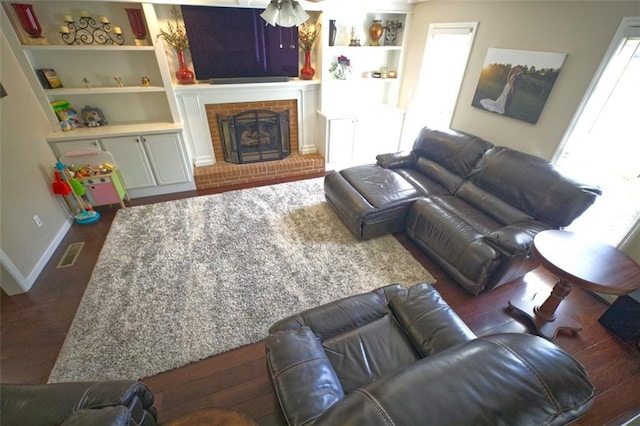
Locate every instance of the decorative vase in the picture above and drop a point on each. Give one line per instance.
(137, 26)
(307, 72)
(375, 32)
(332, 32)
(29, 22)
(184, 74)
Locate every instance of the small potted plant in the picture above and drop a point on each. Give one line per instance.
(307, 33)
(176, 37)
(340, 67)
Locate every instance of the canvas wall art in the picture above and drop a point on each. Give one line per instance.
(517, 83)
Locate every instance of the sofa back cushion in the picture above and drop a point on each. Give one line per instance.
(456, 151)
(533, 186)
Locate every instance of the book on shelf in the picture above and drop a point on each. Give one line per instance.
(48, 78)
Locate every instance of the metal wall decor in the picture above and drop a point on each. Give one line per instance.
(88, 31)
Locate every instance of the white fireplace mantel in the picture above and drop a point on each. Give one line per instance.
(193, 98)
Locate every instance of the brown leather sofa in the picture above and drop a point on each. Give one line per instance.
(118, 402)
(402, 356)
(471, 206)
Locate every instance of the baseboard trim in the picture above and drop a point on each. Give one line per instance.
(25, 283)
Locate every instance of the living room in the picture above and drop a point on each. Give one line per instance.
(583, 30)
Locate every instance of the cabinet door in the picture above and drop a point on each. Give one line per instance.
(376, 133)
(166, 155)
(61, 148)
(130, 157)
(341, 133)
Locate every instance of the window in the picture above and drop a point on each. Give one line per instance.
(602, 143)
(443, 66)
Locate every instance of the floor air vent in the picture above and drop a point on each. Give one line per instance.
(70, 255)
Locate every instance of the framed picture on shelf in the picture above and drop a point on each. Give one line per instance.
(48, 78)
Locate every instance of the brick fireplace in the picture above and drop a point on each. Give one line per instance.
(199, 105)
(233, 108)
(224, 173)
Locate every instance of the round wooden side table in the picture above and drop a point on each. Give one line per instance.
(575, 260)
(213, 417)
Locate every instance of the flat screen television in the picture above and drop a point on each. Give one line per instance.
(228, 42)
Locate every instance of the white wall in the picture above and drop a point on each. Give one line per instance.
(583, 30)
(26, 163)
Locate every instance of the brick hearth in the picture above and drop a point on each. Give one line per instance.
(224, 174)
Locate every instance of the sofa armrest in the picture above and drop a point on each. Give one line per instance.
(55, 403)
(430, 323)
(508, 379)
(516, 238)
(396, 160)
(305, 382)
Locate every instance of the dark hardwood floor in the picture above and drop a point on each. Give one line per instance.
(34, 326)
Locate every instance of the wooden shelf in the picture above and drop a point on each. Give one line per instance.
(113, 130)
(71, 91)
(85, 47)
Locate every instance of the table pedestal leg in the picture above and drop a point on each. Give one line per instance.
(545, 316)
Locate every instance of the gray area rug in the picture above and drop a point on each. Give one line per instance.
(179, 281)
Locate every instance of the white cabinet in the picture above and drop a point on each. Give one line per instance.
(341, 133)
(167, 158)
(149, 160)
(357, 139)
(131, 158)
(359, 116)
(149, 163)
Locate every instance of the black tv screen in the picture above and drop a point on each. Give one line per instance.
(227, 42)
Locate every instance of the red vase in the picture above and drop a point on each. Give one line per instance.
(184, 74)
(307, 72)
(137, 23)
(28, 19)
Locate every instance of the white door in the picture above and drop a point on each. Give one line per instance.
(130, 157)
(167, 158)
(444, 63)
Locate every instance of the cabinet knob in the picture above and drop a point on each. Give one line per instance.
(138, 140)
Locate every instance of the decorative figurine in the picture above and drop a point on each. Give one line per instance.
(118, 80)
(354, 41)
(391, 32)
(145, 81)
(87, 83)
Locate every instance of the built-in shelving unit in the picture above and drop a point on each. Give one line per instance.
(88, 71)
(359, 116)
(144, 130)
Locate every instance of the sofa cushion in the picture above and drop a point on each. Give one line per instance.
(453, 235)
(365, 354)
(532, 185)
(426, 184)
(380, 187)
(456, 151)
(491, 205)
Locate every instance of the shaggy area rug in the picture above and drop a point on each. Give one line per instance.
(180, 281)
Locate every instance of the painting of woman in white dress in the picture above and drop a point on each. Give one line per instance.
(517, 83)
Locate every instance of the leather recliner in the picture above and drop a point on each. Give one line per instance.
(118, 402)
(402, 356)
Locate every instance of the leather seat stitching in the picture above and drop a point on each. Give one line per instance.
(376, 405)
(531, 369)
